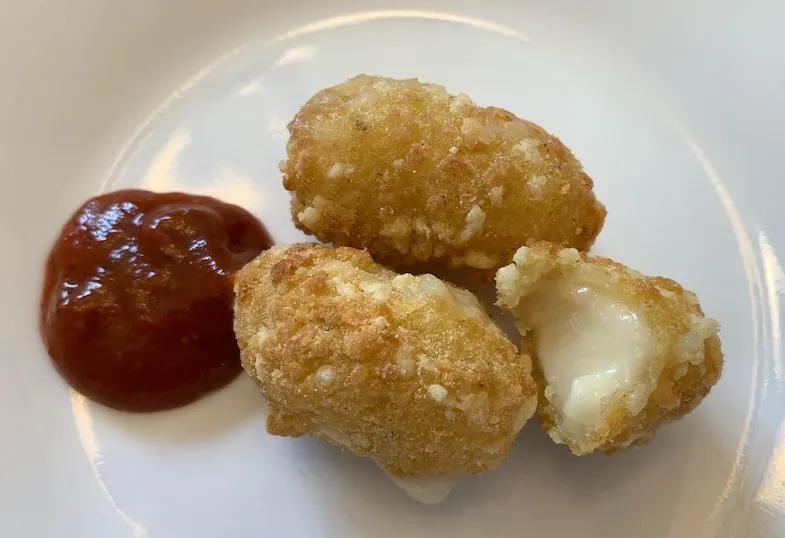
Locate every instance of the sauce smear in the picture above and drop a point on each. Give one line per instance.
(136, 309)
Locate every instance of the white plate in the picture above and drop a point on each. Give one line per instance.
(676, 108)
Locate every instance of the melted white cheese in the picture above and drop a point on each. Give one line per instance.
(426, 490)
(590, 347)
(430, 490)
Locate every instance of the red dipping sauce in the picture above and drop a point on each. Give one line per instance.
(136, 310)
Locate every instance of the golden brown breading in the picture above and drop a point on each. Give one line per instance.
(616, 353)
(416, 175)
(405, 369)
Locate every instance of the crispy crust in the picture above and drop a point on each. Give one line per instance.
(687, 361)
(407, 370)
(417, 176)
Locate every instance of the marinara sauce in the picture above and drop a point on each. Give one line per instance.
(136, 308)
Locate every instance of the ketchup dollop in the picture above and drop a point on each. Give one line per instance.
(136, 308)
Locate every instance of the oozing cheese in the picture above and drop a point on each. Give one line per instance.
(590, 347)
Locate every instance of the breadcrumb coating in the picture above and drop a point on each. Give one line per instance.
(680, 351)
(405, 369)
(422, 178)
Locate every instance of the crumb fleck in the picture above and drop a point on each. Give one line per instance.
(399, 227)
(568, 256)
(424, 362)
(536, 185)
(475, 218)
(325, 375)
(421, 227)
(404, 361)
(520, 255)
(496, 194)
(528, 146)
(340, 170)
(380, 323)
(437, 392)
(309, 216)
(459, 103)
(479, 260)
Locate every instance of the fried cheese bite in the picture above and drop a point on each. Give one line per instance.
(423, 178)
(407, 370)
(616, 353)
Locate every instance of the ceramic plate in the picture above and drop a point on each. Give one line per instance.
(676, 108)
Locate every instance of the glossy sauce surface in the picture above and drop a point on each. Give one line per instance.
(136, 309)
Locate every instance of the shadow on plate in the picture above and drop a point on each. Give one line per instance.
(223, 410)
(667, 488)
